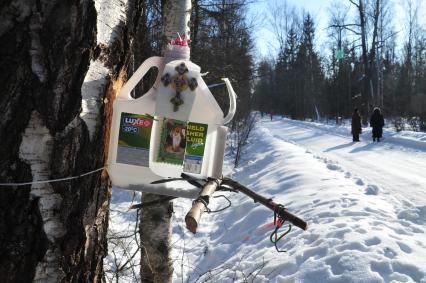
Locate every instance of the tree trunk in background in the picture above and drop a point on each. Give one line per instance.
(368, 57)
(156, 265)
(60, 66)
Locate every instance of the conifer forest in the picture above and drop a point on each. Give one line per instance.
(368, 60)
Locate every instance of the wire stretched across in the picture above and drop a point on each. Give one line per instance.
(51, 180)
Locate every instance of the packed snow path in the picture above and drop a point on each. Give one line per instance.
(396, 165)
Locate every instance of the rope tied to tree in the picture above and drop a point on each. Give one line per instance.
(206, 199)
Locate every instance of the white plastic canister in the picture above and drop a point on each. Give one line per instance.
(142, 148)
(130, 138)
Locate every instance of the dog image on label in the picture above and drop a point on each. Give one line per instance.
(177, 136)
(176, 139)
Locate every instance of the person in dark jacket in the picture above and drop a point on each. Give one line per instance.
(356, 125)
(377, 122)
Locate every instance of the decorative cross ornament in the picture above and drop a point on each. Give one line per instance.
(179, 83)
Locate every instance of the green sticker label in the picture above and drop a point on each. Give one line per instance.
(134, 139)
(195, 145)
(172, 142)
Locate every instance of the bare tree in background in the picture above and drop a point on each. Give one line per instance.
(340, 66)
(281, 18)
(362, 69)
(413, 75)
(368, 56)
(367, 29)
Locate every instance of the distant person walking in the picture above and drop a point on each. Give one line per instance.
(272, 114)
(377, 122)
(356, 128)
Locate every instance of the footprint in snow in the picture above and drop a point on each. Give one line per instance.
(372, 241)
(408, 271)
(357, 246)
(415, 215)
(334, 167)
(372, 190)
(310, 238)
(389, 253)
(340, 225)
(361, 231)
(404, 247)
(359, 182)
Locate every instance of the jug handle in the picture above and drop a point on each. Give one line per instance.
(155, 61)
(232, 102)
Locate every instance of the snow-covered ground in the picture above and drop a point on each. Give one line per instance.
(398, 161)
(365, 204)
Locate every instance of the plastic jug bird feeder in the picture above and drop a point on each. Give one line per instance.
(176, 127)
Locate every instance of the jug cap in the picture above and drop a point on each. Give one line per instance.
(177, 49)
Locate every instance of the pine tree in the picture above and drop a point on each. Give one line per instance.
(285, 75)
(263, 92)
(308, 71)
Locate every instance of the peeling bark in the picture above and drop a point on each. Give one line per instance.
(53, 126)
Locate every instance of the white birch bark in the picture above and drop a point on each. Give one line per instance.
(35, 150)
(156, 265)
(56, 232)
(177, 14)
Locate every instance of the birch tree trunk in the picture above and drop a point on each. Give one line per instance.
(61, 63)
(368, 57)
(156, 265)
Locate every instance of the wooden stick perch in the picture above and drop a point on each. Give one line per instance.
(193, 217)
(200, 205)
(276, 207)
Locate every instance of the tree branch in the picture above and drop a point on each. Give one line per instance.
(353, 2)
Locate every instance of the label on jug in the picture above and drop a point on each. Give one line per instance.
(182, 144)
(195, 144)
(172, 142)
(134, 139)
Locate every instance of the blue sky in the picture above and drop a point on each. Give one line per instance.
(265, 40)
